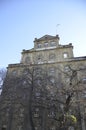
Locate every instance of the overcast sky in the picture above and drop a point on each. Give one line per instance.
(23, 20)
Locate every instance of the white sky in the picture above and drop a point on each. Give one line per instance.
(23, 20)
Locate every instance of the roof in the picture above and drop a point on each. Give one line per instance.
(47, 37)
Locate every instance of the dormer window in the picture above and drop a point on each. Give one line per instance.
(39, 46)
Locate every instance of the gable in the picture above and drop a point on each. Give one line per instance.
(47, 37)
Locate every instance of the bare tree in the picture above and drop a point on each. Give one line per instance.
(2, 77)
(36, 88)
(53, 95)
(35, 78)
(67, 96)
(51, 92)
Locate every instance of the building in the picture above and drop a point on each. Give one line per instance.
(47, 54)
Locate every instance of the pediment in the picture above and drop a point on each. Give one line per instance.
(46, 37)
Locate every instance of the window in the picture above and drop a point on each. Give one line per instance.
(4, 127)
(53, 128)
(38, 71)
(52, 57)
(52, 79)
(52, 93)
(39, 82)
(65, 55)
(67, 80)
(39, 59)
(45, 44)
(66, 68)
(71, 128)
(14, 72)
(36, 112)
(84, 80)
(36, 128)
(39, 46)
(21, 112)
(84, 94)
(27, 60)
(24, 82)
(37, 94)
(52, 71)
(26, 71)
(52, 43)
(51, 114)
(85, 109)
(19, 127)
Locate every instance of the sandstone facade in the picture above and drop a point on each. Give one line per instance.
(53, 57)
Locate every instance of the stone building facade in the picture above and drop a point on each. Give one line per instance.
(49, 55)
